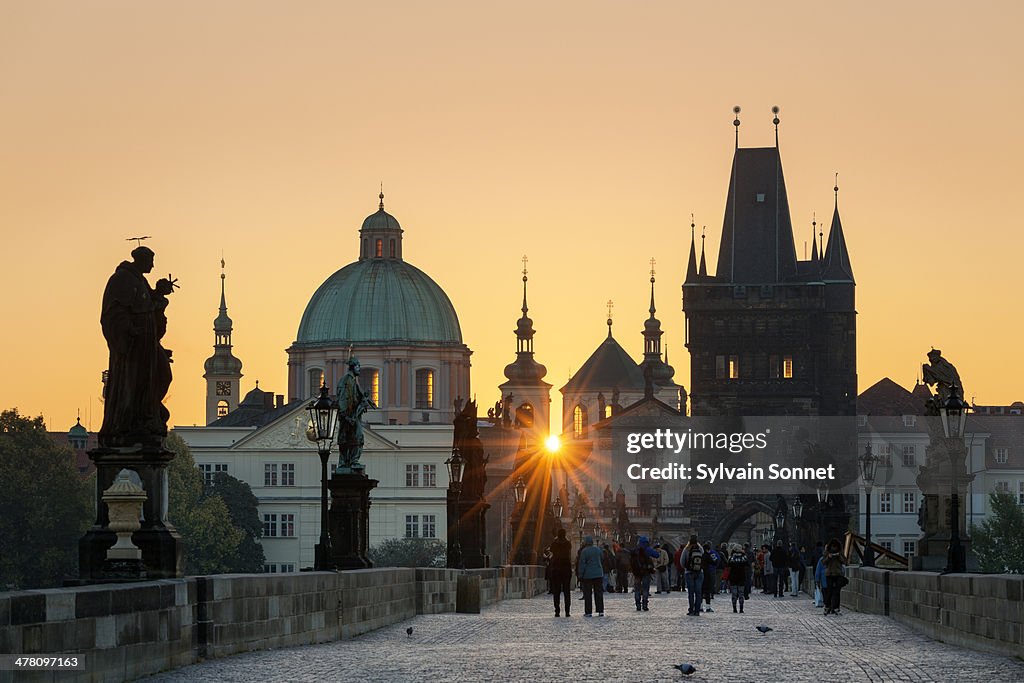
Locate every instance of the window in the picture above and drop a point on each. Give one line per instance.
(884, 502)
(222, 408)
(316, 380)
(412, 475)
(719, 367)
(734, 367)
(424, 388)
(607, 412)
(1020, 493)
(379, 249)
(269, 525)
(270, 474)
(288, 525)
(887, 544)
(773, 367)
(1002, 455)
(210, 469)
(430, 475)
(787, 367)
(392, 248)
(524, 415)
(909, 549)
(287, 474)
(429, 526)
(909, 455)
(909, 502)
(909, 420)
(885, 455)
(1002, 487)
(579, 421)
(412, 526)
(278, 568)
(369, 379)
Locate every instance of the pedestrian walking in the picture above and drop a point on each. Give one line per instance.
(710, 583)
(834, 579)
(590, 571)
(560, 571)
(749, 552)
(643, 568)
(780, 562)
(738, 567)
(692, 561)
(661, 569)
(623, 562)
(796, 567)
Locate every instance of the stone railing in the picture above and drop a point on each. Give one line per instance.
(125, 631)
(984, 611)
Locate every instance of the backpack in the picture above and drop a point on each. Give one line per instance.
(642, 562)
(695, 561)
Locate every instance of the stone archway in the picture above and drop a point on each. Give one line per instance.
(726, 526)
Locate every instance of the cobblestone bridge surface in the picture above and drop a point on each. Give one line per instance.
(521, 640)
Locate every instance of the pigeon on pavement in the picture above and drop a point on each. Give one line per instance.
(686, 668)
(408, 631)
(764, 629)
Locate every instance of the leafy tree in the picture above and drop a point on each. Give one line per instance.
(242, 508)
(211, 540)
(45, 505)
(999, 540)
(409, 552)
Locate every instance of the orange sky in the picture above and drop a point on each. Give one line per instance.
(580, 133)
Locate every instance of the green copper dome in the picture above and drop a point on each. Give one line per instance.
(377, 300)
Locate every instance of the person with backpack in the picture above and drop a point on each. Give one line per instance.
(738, 567)
(643, 568)
(692, 562)
(711, 568)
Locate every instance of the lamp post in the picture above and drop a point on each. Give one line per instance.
(823, 494)
(456, 468)
(323, 417)
(581, 521)
(522, 550)
(954, 415)
(868, 463)
(798, 512)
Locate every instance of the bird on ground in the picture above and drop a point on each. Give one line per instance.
(408, 631)
(764, 629)
(686, 668)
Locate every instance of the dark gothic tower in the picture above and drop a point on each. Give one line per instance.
(223, 371)
(768, 334)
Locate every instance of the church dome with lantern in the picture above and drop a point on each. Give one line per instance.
(398, 322)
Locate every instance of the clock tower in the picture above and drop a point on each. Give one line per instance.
(223, 371)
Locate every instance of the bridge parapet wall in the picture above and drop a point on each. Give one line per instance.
(983, 611)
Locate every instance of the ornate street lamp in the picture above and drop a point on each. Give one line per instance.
(557, 508)
(323, 418)
(868, 463)
(456, 469)
(954, 415)
(581, 521)
(520, 490)
(822, 492)
(798, 512)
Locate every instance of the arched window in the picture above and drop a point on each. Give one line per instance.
(607, 412)
(379, 251)
(424, 388)
(222, 408)
(369, 380)
(316, 380)
(579, 421)
(524, 415)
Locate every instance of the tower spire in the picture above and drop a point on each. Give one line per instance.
(814, 237)
(381, 196)
(652, 286)
(703, 272)
(836, 265)
(525, 307)
(736, 122)
(775, 110)
(611, 304)
(691, 264)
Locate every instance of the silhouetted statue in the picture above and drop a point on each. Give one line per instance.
(467, 441)
(353, 401)
(608, 496)
(942, 375)
(139, 370)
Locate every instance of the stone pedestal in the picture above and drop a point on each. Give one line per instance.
(936, 480)
(157, 538)
(349, 518)
(467, 532)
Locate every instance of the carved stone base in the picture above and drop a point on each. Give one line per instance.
(158, 539)
(349, 519)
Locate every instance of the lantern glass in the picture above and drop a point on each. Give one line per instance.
(798, 508)
(456, 467)
(868, 464)
(581, 520)
(520, 490)
(323, 417)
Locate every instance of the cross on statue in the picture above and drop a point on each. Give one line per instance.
(610, 305)
(138, 240)
(524, 263)
(652, 267)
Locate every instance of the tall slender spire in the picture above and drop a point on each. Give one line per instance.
(836, 265)
(656, 373)
(691, 264)
(814, 238)
(525, 369)
(652, 286)
(703, 272)
(525, 307)
(381, 195)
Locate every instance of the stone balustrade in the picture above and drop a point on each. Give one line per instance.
(129, 630)
(983, 611)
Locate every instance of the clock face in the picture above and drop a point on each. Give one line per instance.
(223, 388)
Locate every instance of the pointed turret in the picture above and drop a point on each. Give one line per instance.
(702, 272)
(660, 372)
(223, 371)
(836, 265)
(691, 264)
(525, 375)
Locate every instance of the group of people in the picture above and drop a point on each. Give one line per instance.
(700, 569)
